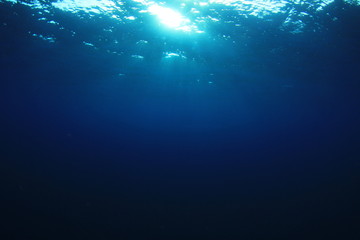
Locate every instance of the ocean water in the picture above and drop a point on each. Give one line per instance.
(150, 120)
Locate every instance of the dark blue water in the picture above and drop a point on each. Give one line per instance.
(254, 135)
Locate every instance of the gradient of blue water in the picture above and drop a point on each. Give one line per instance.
(261, 152)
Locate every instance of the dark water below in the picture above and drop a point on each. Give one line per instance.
(241, 143)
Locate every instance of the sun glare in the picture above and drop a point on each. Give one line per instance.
(168, 16)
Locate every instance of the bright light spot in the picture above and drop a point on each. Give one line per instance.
(169, 55)
(130, 17)
(88, 44)
(168, 16)
(137, 56)
(174, 55)
(203, 3)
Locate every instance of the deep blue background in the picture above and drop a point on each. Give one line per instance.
(269, 150)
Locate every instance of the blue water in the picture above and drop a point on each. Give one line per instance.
(235, 120)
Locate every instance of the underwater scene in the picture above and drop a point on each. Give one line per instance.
(174, 120)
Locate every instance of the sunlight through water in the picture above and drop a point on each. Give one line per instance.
(168, 16)
(178, 29)
(189, 16)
